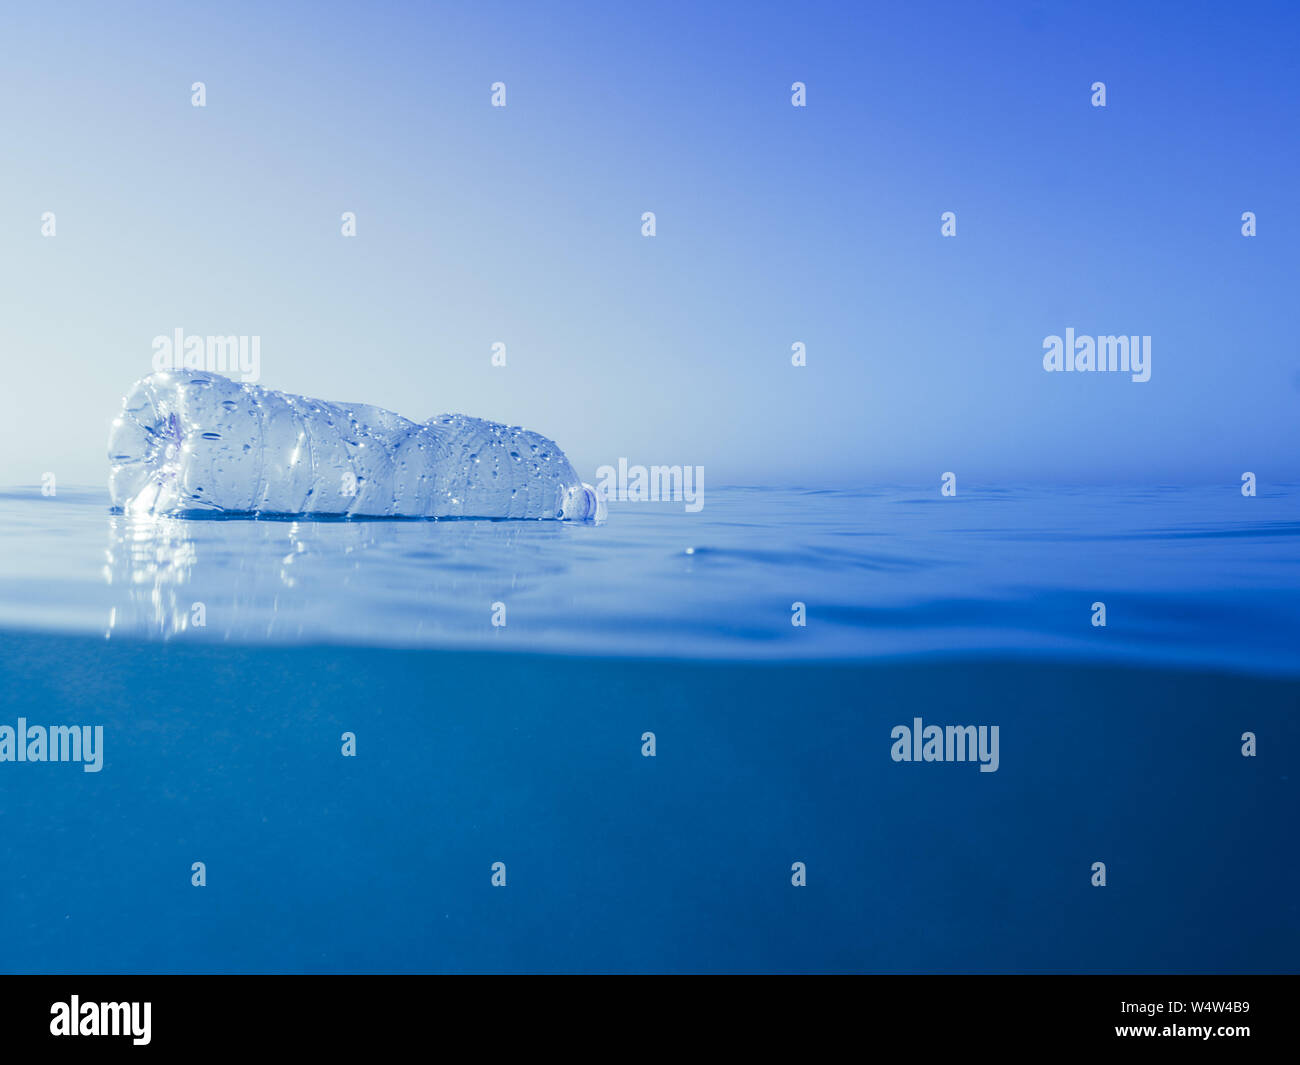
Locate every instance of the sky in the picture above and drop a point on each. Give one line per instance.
(775, 225)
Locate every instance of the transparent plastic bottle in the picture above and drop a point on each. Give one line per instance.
(189, 441)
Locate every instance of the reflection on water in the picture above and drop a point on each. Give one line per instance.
(244, 579)
(151, 560)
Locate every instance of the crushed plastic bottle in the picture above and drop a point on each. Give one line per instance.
(191, 442)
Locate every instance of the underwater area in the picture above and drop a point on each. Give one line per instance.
(613, 747)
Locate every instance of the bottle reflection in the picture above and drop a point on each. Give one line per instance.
(149, 562)
(290, 580)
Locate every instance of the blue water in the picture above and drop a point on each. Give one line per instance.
(478, 743)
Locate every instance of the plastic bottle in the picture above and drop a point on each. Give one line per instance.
(188, 442)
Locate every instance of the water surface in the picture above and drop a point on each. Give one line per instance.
(1198, 576)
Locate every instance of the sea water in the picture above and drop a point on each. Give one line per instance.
(665, 743)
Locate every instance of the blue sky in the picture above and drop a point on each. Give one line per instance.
(775, 224)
